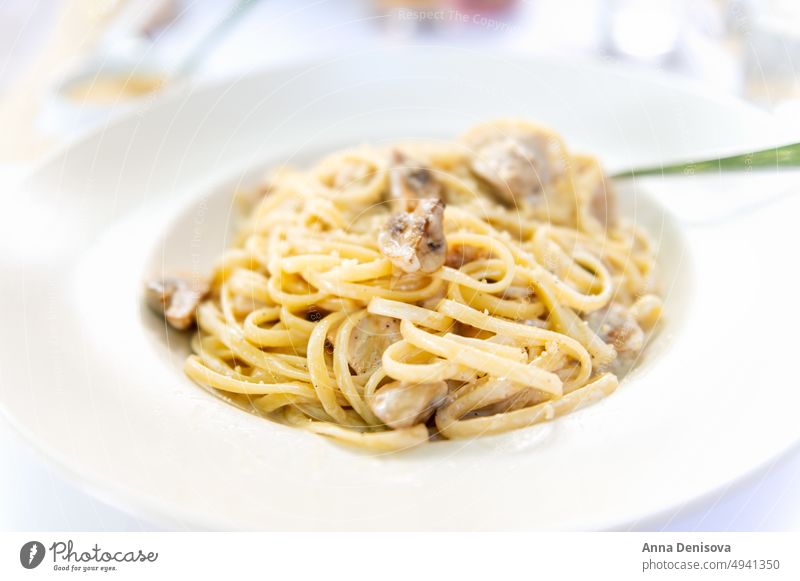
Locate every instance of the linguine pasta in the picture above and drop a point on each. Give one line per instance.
(391, 295)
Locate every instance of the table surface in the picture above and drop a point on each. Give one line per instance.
(35, 496)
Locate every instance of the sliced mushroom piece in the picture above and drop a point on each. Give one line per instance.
(370, 338)
(491, 395)
(410, 181)
(520, 397)
(520, 160)
(513, 168)
(402, 405)
(597, 199)
(616, 326)
(415, 241)
(602, 202)
(458, 256)
(176, 298)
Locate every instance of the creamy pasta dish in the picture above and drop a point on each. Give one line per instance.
(392, 295)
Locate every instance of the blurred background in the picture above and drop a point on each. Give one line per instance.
(67, 66)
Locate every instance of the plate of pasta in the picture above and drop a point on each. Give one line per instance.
(319, 297)
(388, 296)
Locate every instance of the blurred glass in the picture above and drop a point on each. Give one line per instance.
(768, 32)
(644, 30)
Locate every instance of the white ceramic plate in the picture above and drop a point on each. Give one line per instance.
(95, 382)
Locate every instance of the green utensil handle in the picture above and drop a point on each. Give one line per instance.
(776, 157)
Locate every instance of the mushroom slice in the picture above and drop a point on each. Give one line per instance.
(596, 196)
(402, 405)
(370, 338)
(616, 326)
(414, 241)
(176, 298)
(410, 181)
(523, 163)
(502, 395)
(458, 256)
